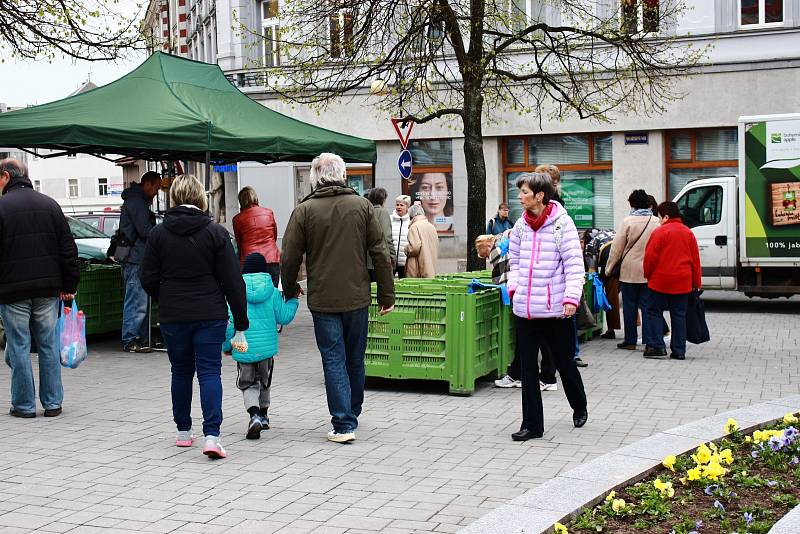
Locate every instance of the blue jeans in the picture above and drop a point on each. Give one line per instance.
(134, 307)
(33, 317)
(342, 341)
(196, 346)
(634, 298)
(677, 305)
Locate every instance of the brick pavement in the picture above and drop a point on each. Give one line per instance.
(424, 461)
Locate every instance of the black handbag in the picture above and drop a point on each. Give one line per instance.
(696, 326)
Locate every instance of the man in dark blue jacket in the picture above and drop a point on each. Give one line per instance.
(135, 222)
(38, 265)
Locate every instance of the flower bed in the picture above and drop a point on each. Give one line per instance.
(741, 484)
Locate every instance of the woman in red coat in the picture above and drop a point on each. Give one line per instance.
(256, 231)
(672, 269)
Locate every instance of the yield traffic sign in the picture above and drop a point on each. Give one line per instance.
(405, 164)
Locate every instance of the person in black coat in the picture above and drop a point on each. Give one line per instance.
(38, 265)
(190, 268)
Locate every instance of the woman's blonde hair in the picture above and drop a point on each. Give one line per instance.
(247, 198)
(486, 238)
(405, 199)
(187, 189)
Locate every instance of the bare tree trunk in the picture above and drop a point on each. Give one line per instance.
(476, 174)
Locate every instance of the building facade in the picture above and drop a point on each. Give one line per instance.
(752, 68)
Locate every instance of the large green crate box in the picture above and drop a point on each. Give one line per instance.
(100, 295)
(436, 332)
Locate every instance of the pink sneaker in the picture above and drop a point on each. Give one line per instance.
(213, 448)
(184, 439)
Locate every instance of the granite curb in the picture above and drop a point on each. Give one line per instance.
(563, 497)
(789, 524)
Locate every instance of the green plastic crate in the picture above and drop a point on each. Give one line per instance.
(436, 334)
(101, 293)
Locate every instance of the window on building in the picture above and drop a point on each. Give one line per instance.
(72, 188)
(269, 30)
(72, 156)
(360, 179)
(585, 162)
(639, 16)
(760, 12)
(37, 185)
(102, 187)
(341, 34)
(695, 154)
(432, 181)
(702, 206)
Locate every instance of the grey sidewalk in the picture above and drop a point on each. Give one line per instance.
(423, 462)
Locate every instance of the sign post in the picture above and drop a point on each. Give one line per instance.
(405, 163)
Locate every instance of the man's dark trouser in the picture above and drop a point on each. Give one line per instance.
(342, 341)
(559, 335)
(634, 298)
(677, 305)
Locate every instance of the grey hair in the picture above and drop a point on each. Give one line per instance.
(327, 169)
(187, 189)
(405, 199)
(415, 211)
(15, 169)
(536, 182)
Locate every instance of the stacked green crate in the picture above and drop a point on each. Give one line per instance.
(437, 332)
(100, 295)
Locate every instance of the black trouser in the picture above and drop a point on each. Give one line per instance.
(559, 335)
(547, 374)
(401, 271)
(274, 270)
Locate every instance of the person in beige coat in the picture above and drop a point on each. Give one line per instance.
(422, 251)
(628, 248)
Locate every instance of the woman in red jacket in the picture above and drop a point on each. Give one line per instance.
(256, 231)
(672, 269)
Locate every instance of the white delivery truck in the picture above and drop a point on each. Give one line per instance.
(748, 227)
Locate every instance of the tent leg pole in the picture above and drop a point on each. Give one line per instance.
(208, 182)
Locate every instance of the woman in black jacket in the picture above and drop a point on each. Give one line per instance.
(190, 268)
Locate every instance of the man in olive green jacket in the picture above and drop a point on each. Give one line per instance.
(336, 229)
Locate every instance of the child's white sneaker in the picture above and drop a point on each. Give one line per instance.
(213, 448)
(343, 437)
(184, 438)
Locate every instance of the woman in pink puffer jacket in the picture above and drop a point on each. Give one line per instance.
(546, 278)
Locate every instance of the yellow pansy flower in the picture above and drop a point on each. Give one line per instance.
(789, 419)
(618, 504)
(610, 496)
(748, 439)
(731, 426)
(693, 474)
(702, 455)
(558, 528)
(669, 462)
(726, 456)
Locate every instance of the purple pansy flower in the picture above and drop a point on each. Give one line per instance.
(748, 518)
(711, 489)
(794, 461)
(775, 443)
(698, 524)
(772, 483)
(754, 454)
(718, 506)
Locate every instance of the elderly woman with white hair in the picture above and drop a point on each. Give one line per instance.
(334, 227)
(190, 268)
(422, 250)
(400, 221)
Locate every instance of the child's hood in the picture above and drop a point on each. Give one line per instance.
(259, 287)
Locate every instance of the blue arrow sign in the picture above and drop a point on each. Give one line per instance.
(405, 164)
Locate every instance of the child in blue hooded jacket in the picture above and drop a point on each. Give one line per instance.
(266, 309)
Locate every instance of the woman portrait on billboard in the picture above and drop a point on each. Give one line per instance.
(434, 191)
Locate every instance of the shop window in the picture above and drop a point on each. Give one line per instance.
(696, 154)
(432, 182)
(760, 12)
(585, 162)
(639, 16)
(702, 206)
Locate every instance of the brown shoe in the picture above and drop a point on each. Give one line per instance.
(626, 346)
(52, 412)
(25, 415)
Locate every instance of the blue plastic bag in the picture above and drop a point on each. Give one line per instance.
(71, 331)
(600, 298)
(477, 285)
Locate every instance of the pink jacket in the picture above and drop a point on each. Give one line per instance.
(541, 278)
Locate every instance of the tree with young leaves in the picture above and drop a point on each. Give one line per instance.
(93, 30)
(474, 60)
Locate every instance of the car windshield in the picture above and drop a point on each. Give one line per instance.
(81, 230)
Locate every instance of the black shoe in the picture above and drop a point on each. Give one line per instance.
(52, 412)
(608, 334)
(254, 428)
(581, 363)
(674, 356)
(652, 353)
(579, 419)
(158, 345)
(137, 347)
(626, 346)
(25, 415)
(524, 435)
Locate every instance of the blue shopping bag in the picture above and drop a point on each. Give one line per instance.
(71, 332)
(477, 285)
(600, 298)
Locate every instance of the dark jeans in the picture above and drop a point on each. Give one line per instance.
(134, 307)
(342, 340)
(196, 346)
(547, 374)
(677, 305)
(634, 298)
(274, 270)
(558, 334)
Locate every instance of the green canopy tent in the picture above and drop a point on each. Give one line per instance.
(171, 108)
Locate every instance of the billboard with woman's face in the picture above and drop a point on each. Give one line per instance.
(434, 191)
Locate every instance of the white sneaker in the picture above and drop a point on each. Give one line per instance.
(345, 437)
(507, 382)
(548, 387)
(213, 448)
